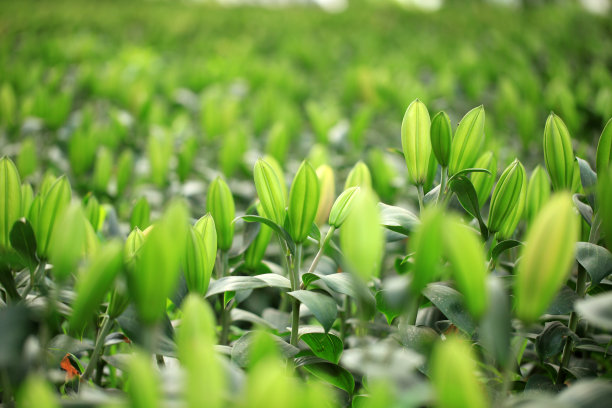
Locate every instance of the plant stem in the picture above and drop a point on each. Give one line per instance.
(225, 311)
(510, 367)
(442, 191)
(107, 323)
(421, 194)
(572, 325)
(317, 257)
(295, 304)
(150, 338)
(413, 311)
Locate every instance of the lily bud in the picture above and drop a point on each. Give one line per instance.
(206, 227)
(92, 210)
(278, 170)
(604, 149)
(10, 199)
(558, 153)
(441, 137)
(125, 165)
(303, 202)
(141, 214)
(483, 182)
(328, 192)
(27, 197)
(547, 258)
(220, 204)
(195, 268)
(52, 204)
(342, 206)
(361, 237)
(468, 140)
(67, 241)
(538, 192)
(133, 243)
(507, 197)
(270, 192)
(359, 176)
(416, 141)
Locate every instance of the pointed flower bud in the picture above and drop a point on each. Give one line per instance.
(359, 176)
(416, 141)
(257, 250)
(441, 137)
(342, 206)
(303, 202)
(220, 203)
(507, 197)
(483, 182)
(195, 268)
(10, 199)
(52, 204)
(328, 192)
(206, 227)
(270, 192)
(468, 141)
(538, 192)
(558, 153)
(604, 149)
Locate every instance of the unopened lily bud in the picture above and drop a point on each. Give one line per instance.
(303, 202)
(10, 199)
(67, 241)
(558, 153)
(270, 192)
(416, 141)
(538, 192)
(468, 141)
(604, 149)
(220, 203)
(359, 176)
(328, 192)
(507, 196)
(441, 137)
(195, 268)
(206, 227)
(483, 182)
(133, 243)
(547, 258)
(52, 204)
(342, 206)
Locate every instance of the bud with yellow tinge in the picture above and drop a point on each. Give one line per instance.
(220, 203)
(558, 153)
(270, 192)
(328, 192)
(547, 258)
(303, 202)
(416, 141)
(468, 140)
(508, 198)
(441, 137)
(359, 176)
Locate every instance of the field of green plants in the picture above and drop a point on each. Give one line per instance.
(206, 206)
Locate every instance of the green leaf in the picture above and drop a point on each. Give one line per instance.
(236, 283)
(503, 246)
(397, 219)
(597, 310)
(389, 310)
(451, 303)
(324, 345)
(495, 328)
(10, 198)
(277, 228)
(468, 198)
(596, 260)
(564, 302)
(328, 372)
(588, 179)
(23, 240)
(322, 306)
(241, 349)
(551, 340)
(465, 172)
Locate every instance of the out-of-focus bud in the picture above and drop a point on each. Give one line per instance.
(195, 268)
(51, 206)
(92, 210)
(547, 259)
(303, 202)
(441, 137)
(120, 299)
(133, 243)
(328, 192)
(67, 241)
(141, 214)
(416, 141)
(220, 204)
(468, 141)
(425, 244)
(270, 192)
(604, 197)
(538, 192)
(206, 227)
(102, 169)
(359, 176)
(280, 175)
(508, 196)
(483, 182)
(144, 387)
(36, 393)
(125, 164)
(604, 149)
(342, 206)
(10, 199)
(27, 197)
(558, 153)
(361, 237)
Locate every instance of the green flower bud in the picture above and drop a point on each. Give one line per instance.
(468, 141)
(36, 393)
(93, 284)
(328, 192)
(558, 153)
(270, 192)
(133, 243)
(416, 141)
(92, 211)
(102, 170)
(507, 196)
(125, 165)
(361, 238)
(359, 176)
(141, 214)
(547, 258)
(604, 149)
(342, 206)
(278, 170)
(383, 174)
(196, 269)
(10, 199)
(156, 270)
(483, 182)
(425, 244)
(144, 389)
(119, 300)
(303, 202)
(256, 251)
(220, 204)
(206, 227)
(52, 205)
(67, 241)
(27, 197)
(453, 375)
(441, 137)
(538, 192)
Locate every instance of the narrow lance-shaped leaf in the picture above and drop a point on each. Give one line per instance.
(416, 141)
(220, 204)
(546, 258)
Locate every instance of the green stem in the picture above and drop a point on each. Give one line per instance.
(413, 311)
(509, 368)
(442, 191)
(572, 325)
(295, 304)
(319, 254)
(107, 323)
(421, 195)
(225, 311)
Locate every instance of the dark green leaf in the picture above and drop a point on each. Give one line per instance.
(277, 228)
(397, 219)
(596, 260)
(588, 179)
(584, 209)
(322, 306)
(563, 303)
(324, 345)
(390, 310)
(503, 246)
(240, 350)
(551, 340)
(468, 198)
(451, 303)
(333, 374)
(23, 240)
